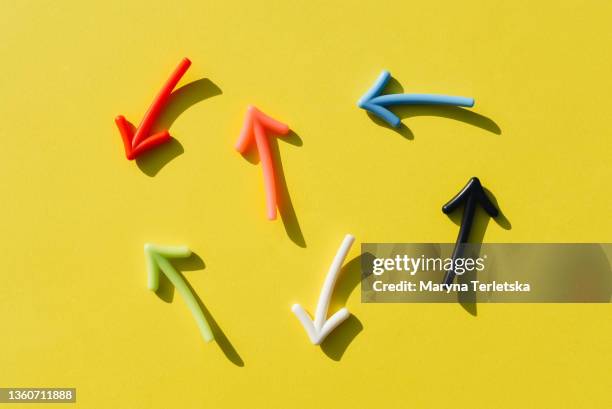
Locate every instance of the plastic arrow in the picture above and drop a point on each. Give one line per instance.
(139, 141)
(377, 104)
(255, 129)
(470, 196)
(157, 263)
(318, 329)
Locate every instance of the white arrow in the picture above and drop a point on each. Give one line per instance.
(321, 327)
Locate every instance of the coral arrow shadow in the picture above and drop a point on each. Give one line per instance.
(285, 206)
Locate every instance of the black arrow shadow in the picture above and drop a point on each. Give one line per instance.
(181, 99)
(166, 293)
(444, 111)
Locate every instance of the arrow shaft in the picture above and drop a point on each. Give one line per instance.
(179, 283)
(330, 282)
(159, 102)
(267, 165)
(424, 99)
(464, 234)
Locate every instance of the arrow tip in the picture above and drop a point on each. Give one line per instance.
(255, 116)
(375, 90)
(152, 267)
(368, 103)
(126, 135)
(473, 187)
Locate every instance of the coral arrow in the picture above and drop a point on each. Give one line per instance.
(320, 328)
(377, 104)
(256, 127)
(157, 263)
(140, 141)
(471, 195)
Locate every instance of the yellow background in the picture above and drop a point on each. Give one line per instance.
(74, 306)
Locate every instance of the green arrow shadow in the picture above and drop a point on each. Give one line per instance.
(166, 293)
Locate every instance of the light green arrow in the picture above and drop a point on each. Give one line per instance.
(157, 262)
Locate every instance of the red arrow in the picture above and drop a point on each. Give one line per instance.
(256, 126)
(137, 142)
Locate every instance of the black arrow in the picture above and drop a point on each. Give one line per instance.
(471, 195)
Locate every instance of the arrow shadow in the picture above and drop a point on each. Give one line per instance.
(444, 111)
(285, 206)
(338, 341)
(481, 221)
(166, 293)
(181, 99)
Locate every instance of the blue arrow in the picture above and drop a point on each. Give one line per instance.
(375, 103)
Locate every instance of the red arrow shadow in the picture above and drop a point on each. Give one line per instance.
(180, 100)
